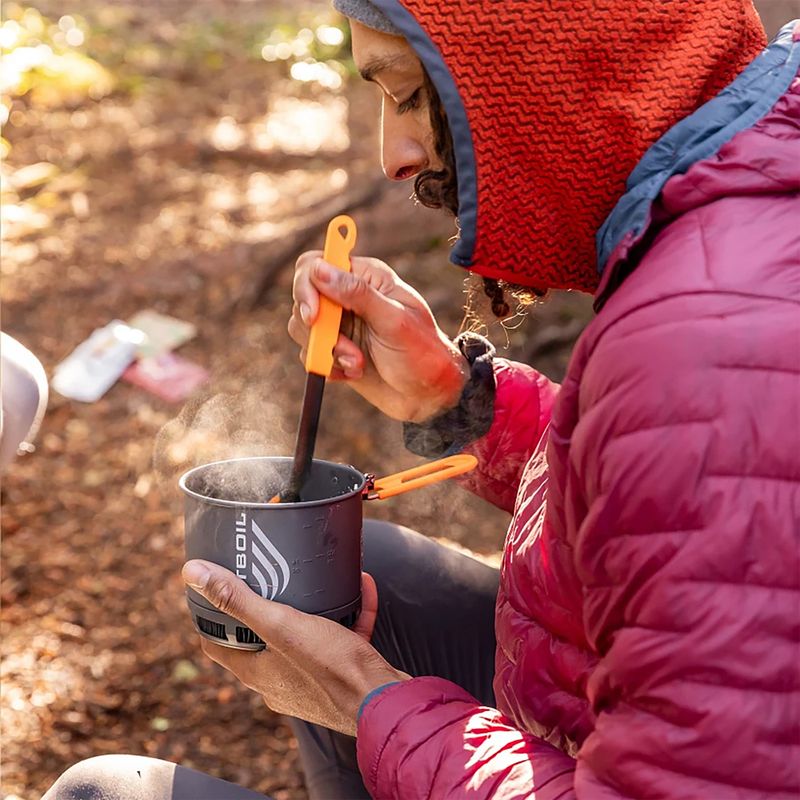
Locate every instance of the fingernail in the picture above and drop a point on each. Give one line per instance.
(347, 362)
(196, 575)
(305, 313)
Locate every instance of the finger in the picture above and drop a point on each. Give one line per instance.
(304, 292)
(230, 657)
(379, 275)
(350, 367)
(298, 330)
(226, 656)
(347, 353)
(233, 596)
(248, 666)
(349, 357)
(338, 374)
(354, 293)
(365, 623)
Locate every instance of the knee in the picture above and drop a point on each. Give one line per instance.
(96, 778)
(382, 541)
(397, 557)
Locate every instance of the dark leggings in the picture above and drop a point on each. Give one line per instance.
(435, 617)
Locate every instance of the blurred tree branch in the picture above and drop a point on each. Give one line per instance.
(366, 190)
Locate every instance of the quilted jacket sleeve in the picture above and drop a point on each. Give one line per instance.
(523, 403)
(427, 737)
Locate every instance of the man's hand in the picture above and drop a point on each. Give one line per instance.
(313, 669)
(397, 357)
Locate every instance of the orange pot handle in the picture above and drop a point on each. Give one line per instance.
(339, 242)
(423, 475)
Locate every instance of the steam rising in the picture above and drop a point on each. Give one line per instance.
(222, 427)
(241, 482)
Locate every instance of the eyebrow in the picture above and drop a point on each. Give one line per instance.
(379, 64)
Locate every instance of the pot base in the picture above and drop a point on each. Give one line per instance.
(226, 631)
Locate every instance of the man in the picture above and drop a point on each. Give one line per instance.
(646, 636)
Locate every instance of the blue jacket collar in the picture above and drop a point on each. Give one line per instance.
(695, 138)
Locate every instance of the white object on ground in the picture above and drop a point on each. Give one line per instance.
(96, 364)
(23, 387)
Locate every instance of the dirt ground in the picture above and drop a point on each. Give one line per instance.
(179, 188)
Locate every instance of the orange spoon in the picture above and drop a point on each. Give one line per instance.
(339, 242)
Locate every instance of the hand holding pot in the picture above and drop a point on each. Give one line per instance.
(397, 357)
(313, 669)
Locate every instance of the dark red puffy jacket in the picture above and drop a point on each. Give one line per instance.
(648, 621)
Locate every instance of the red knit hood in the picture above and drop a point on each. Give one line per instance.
(551, 105)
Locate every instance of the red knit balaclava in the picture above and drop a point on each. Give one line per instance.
(561, 99)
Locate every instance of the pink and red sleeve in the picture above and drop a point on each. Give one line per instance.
(428, 737)
(523, 403)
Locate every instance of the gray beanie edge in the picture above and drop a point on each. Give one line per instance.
(367, 14)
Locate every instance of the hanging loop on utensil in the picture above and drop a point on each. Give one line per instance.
(417, 477)
(339, 242)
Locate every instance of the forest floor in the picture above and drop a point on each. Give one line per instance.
(179, 181)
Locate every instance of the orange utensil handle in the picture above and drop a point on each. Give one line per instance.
(339, 242)
(424, 475)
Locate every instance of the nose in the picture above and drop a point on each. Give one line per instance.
(403, 152)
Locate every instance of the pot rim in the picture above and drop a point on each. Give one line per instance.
(215, 501)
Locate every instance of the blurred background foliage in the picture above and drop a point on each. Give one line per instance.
(61, 62)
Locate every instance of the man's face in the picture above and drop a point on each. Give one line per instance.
(406, 135)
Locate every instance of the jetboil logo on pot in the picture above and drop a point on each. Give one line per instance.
(263, 555)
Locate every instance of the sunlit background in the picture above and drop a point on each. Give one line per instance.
(178, 156)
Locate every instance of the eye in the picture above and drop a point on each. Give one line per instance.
(412, 102)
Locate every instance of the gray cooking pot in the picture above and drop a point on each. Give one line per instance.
(305, 554)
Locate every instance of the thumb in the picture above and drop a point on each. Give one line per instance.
(354, 293)
(365, 623)
(232, 595)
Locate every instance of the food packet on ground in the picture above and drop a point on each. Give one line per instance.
(96, 364)
(168, 376)
(162, 333)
